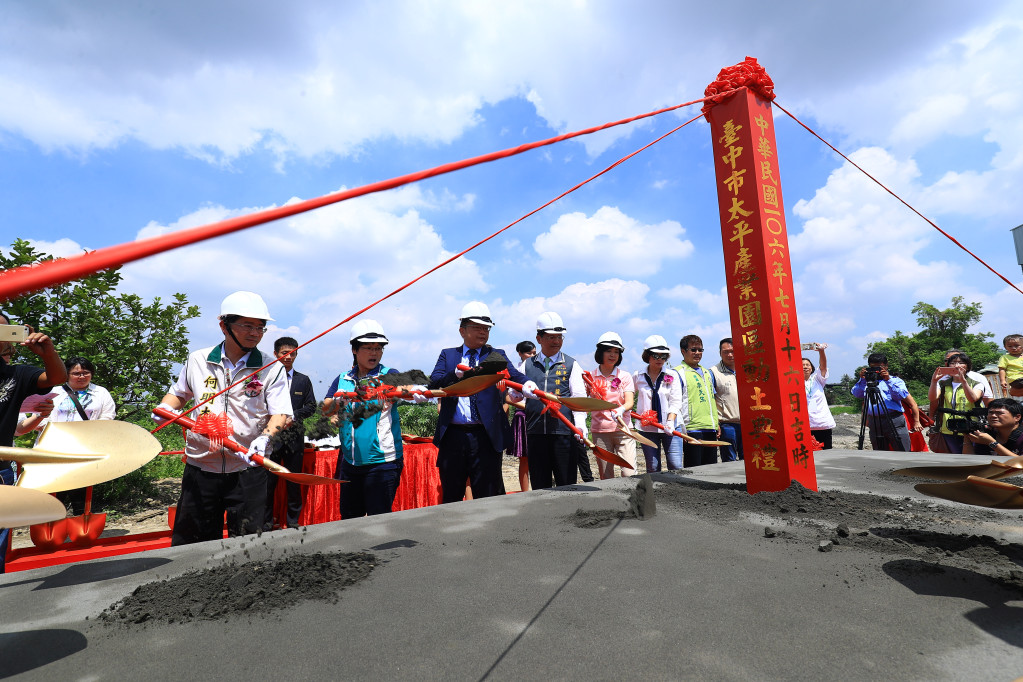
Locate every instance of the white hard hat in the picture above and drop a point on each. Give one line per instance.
(550, 323)
(656, 343)
(611, 339)
(245, 304)
(477, 312)
(368, 331)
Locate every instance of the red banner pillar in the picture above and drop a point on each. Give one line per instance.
(762, 308)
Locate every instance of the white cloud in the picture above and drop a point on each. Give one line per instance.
(610, 242)
(317, 78)
(704, 300)
(318, 268)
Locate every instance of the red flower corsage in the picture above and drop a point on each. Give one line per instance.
(253, 388)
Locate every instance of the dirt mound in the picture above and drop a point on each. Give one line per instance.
(922, 533)
(231, 589)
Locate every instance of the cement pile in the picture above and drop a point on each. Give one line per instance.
(231, 589)
(923, 535)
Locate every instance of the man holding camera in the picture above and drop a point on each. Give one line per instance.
(884, 405)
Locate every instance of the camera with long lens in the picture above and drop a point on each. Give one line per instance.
(962, 422)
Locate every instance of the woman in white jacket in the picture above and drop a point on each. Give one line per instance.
(661, 391)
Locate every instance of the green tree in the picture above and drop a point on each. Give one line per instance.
(133, 344)
(914, 357)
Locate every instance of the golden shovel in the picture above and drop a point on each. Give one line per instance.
(951, 472)
(981, 492)
(633, 434)
(72, 455)
(24, 507)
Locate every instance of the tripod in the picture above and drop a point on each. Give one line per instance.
(873, 405)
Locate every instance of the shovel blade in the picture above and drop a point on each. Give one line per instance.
(610, 457)
(86, 527)
(580, 404)
(638, 437)
(24, 507)
(994, 470)
(125, 447)
(467, 387)
(306, 479)
(49, 535)
(980, 492)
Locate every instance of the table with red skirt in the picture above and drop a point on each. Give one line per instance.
(420, 484)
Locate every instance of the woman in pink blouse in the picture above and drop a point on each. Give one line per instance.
(608, 383)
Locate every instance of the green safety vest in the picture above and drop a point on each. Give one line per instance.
(703, 413)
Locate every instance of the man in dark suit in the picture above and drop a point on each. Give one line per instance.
(292, 440)
(471, 432)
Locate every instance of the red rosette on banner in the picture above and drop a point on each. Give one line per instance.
(747, 73)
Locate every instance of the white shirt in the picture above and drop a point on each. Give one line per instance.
(248, 405)
(817, 402)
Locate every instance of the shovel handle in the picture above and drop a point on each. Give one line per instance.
(684, 436)
(538, 393)
(189, 424)
(268, 464)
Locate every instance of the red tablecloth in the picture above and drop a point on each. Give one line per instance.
(420, 485)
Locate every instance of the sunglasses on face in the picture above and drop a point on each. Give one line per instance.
(659, 356)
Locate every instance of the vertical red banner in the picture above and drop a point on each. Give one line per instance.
(772, 394)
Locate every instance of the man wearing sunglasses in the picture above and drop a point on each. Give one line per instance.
(703, 413)
(216, 479)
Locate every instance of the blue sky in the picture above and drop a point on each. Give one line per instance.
(120, 121)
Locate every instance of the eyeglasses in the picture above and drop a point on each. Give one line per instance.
(695, 350)
(83, 373)
(659, 356)
(245, 327)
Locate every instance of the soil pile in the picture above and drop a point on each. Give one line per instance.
(231, 589)
(909, 529)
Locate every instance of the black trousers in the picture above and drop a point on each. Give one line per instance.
(697, 455)
(291, 459)
(582, 457)
(465, 452)
(823, 437)
(205, 496)
(552, 460)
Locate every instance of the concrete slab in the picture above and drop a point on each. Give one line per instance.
(513, 588)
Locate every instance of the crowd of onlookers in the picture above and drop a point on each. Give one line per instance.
(671, 411)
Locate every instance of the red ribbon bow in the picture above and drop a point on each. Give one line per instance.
(649, 418)
(216, 427)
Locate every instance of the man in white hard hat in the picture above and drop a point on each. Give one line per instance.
(372, 454)
(553, 457)
(471, 432)
(215, 478)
